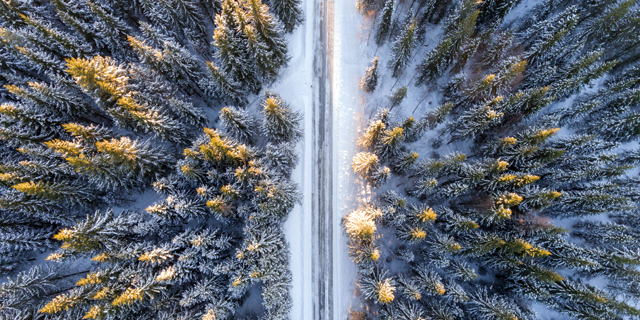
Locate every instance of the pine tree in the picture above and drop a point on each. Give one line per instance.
(496, 10)
(281, 123)
(380, 176)
(269, 35)
(405, 163)
(435, 63)
(174, 60)
(239, 124)
(282, 158)
(372, 135)
(369, 81)
(485, 306)
(402, 49)
(364, 164)
(391, 142)
(288, 11)
(232, 48)
(377, 286)
(224, 85)
(398, 96)
(624, 128)
(384, 27)
(477, 120)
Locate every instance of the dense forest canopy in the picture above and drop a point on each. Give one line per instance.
(515, 196)
(103, 105)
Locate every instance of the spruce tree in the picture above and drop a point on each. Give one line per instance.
(369, 81)
(288, 11)
(281, 123)
(403, 48)
(384, 26)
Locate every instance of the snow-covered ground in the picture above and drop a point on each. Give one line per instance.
(348, 64)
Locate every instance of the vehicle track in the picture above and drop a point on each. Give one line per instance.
(322, 212)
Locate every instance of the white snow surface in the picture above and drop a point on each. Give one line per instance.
(350, 31)
(295, 87)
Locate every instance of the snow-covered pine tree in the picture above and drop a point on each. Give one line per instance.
(384, 27)
(369, 81)
(288, 11)
(281, 123)
(403, 48)
(239, 124)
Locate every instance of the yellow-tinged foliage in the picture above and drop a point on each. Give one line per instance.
(219, 205)
(9, 177)
(393, 136)
(65, 148)
(8, 109)
(187, 170)
(360, 225)
(551, 195)
(155, 256)
(75, 129)
(166, 274)
(79, 162)
(217, 149)
(60, 303)
(489, 78)
(157, 209)
(54, 257)
(417, 233)
(91, 278)
(523, 248)
(454, 247)
(102, 294)
(375, 254)
(427, 215)
(385, 291)
(190, 153)
(201, 191)
(129, 296)
(98, 73)
(30, 188)
(470, 225)
(64, 235)
(229, 190)
(509, 141)
(122, 149)
(518, 181)
(502, 212)
(237, 281)
(439, 289)
(210, 315)
(500, 166)
(509, 200)
(542, 135)
(101, 257)
(95, 312)
(15, 90)
(364, 163)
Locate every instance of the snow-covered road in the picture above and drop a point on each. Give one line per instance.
(322, 81)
